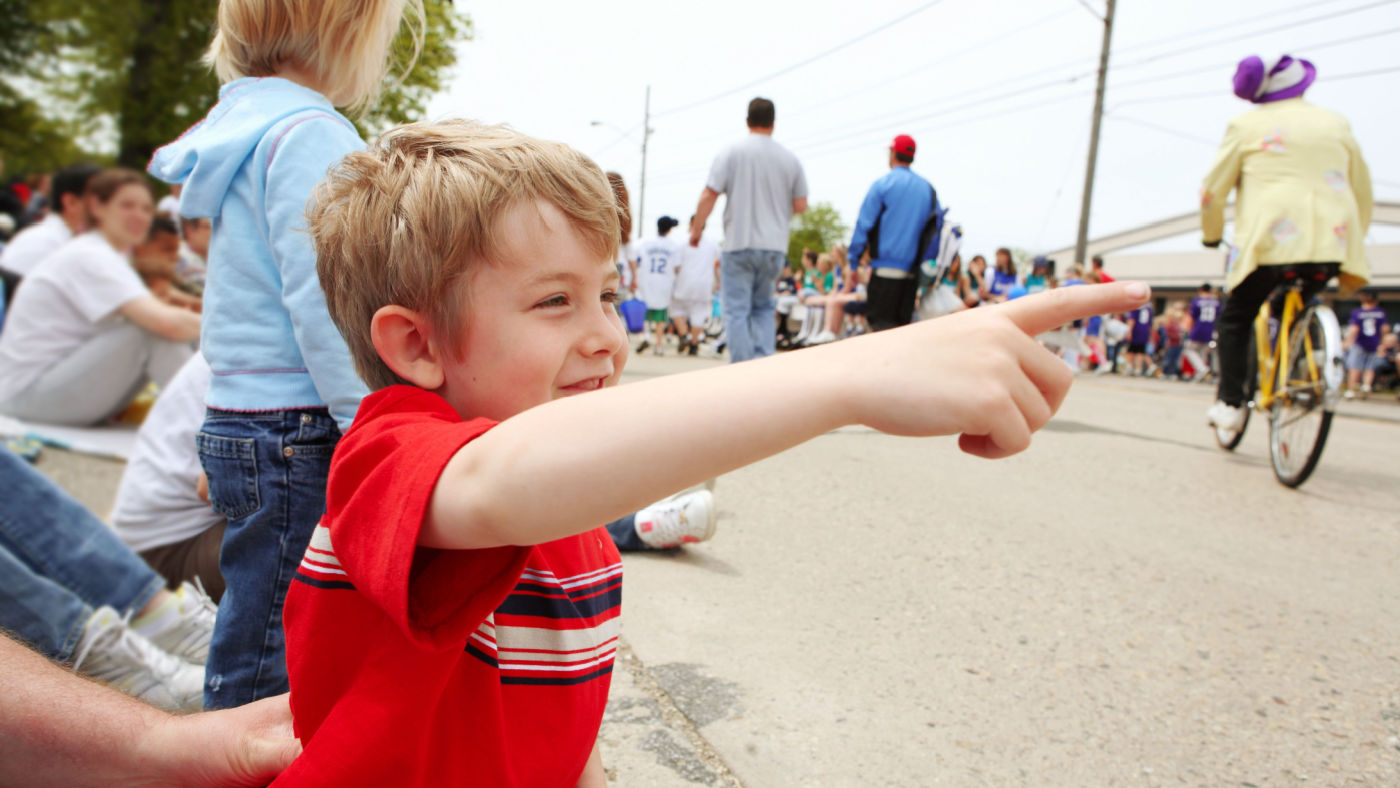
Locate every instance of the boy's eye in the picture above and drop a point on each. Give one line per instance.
(554, 300)
(610, 296)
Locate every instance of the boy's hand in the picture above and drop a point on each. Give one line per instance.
(976, 372)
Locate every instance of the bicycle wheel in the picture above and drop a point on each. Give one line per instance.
(1301, 415)
(1229, 439)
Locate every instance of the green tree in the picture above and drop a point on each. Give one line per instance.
(817, 229)
(134, 68)
(28, 139)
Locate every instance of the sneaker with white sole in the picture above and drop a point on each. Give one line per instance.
(112, 653)
(684, 518)
(1225, 417)
(183, 626)
(822, 338)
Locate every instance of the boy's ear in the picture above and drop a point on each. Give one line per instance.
(403, 341)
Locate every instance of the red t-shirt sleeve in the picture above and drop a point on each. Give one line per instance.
(382, 478)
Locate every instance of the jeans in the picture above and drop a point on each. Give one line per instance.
(748, 284)
(267, 475)
(58, 562)
(1171, 362)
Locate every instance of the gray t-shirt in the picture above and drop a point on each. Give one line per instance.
(761, 179)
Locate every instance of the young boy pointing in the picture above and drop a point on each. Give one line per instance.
(455, 619)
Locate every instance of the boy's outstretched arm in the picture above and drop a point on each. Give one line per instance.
(566, 466)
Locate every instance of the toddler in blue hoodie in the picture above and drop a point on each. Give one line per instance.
(283, 385)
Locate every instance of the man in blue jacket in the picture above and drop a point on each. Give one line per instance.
(892, 220)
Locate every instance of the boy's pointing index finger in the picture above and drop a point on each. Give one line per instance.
(1043, 312)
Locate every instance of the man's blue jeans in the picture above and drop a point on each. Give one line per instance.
(58, 562)
(267, 475)
(748, 280)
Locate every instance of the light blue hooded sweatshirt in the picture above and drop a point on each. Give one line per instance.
(250, 166)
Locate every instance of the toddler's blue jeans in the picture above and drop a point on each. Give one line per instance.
(267, 475)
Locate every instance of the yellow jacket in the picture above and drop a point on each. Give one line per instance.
(1304, 191)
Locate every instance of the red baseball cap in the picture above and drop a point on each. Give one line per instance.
(903, 144)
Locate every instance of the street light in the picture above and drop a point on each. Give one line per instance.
(646, 135)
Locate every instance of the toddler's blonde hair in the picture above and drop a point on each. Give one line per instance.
(405, 221)
(345, 44)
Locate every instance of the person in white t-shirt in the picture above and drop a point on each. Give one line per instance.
(84, 335)
(696, 283)
(162, 511)
(69, 215)
(170, 203)
(654, 263)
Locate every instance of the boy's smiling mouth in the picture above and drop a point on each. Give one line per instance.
(585, 385)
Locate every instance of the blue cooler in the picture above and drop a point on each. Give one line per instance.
(634, 315)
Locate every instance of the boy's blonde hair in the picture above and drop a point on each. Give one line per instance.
(344, 43)
(405, 221)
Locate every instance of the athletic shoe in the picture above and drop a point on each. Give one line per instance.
(822, 338)
(645, 344)
(656, 351)
(694, 349)
(1225, 417)
(114, 654)
(684, 518)
(1349, 394)
(184, 627)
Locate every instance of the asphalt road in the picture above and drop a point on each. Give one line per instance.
(1123, 604)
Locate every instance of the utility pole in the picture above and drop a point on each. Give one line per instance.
(642, 198)
(1082, 242)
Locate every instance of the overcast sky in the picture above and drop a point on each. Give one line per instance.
(997, 93)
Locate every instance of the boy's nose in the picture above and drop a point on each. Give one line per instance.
(605, 334)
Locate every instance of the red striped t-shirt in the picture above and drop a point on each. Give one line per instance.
(411, 666)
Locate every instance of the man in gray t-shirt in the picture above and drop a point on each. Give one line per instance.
(765, 187)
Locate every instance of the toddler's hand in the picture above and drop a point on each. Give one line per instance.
(977, 372)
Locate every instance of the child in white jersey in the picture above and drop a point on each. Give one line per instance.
(654, 264)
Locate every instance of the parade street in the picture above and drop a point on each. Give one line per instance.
(1123, 604)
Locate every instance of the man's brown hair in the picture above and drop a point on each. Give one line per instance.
(406, 221)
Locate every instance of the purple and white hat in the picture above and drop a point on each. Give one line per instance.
(1286, 78)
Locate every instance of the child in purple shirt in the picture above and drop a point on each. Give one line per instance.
(1205, 307)
(1365, 331)
(1139, 335)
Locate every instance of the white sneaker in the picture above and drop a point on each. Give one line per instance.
(684, 518)
(1224, 417)
(116, 655)
(822, 338)
(185, 627)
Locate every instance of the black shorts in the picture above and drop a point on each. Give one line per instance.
(1137, 347)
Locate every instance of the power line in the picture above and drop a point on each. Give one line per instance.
(1233, 38)
(801, 63)
(828, 102)
(1217, 92)
(1225, 25)
(1162, 129)
(821, 139)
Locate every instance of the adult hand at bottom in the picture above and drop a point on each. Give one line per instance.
(246, 746)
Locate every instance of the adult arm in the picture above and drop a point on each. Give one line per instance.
(167, 321)
(978, 373)
(708, 197)
(302, 156)
(799, 205)
(58, 729)
(1224, 174)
